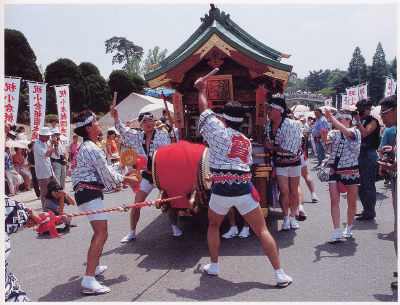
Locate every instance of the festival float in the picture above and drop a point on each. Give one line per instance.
(248, 72)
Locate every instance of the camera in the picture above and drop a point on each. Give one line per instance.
(353, 112)
(386, 158)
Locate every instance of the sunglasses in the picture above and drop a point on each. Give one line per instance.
(386, 111)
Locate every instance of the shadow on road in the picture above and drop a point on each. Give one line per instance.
(216, 288)
(72, 290)
(388, 236)
(387, 297)
(339, 249)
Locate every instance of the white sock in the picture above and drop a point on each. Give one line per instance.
(285, 218)
(214, 266)
(291, 218)
(337, 231)
(233, 228)
(278, 271)
(132, 232)
(88, 279)
(301, 208)
(348, 228)
(313, 194)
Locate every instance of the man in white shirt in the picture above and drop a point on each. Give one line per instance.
(42, 152)
(59, 158)
(53, 126)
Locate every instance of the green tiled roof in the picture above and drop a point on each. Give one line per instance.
(221, 24)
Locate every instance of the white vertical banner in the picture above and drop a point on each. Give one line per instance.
(394, 84)
(388, 87)
(352, 96)
(363, 92)
(62, 96)
(11, 99)
(345, 103)
(37, 105)
(328, 102)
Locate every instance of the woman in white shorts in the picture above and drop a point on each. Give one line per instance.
(283, 139)
(344, 144)
(90, 174)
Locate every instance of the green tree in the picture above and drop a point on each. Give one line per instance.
(133, 66)
(357, 68)
(87, 68)
(65, 71)
(378, 75)
(339, 81)
(393, 68)
(154, 57)
(120, 81)
(20, 61)
(124, 49)
(19, 58)
(99, 94)
(317, 80)
(295, 83)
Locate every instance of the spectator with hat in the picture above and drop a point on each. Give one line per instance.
(42, 152)
(56, 198)
(59, 157)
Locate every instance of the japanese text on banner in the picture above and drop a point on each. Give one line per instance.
(352, 96)
(11, 99)
(62, 95)
(37, 105)
(362, 92)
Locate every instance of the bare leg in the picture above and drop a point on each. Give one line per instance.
(257, 222)
(283, 185)
(214, 222)
(293, 195)
(96, 245)
(307, 178)
(352, 192)
(173, 216)
(135, 212)
(335, 199)
(231, 217)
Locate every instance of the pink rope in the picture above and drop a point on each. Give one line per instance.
(135, 205)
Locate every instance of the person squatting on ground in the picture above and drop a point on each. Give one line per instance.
(283, 139)
(42, 152)
(388, 158)
(17, 216)
(56, 198)
(370, 130)
(230, 155)
(90, 174)
(145, 142)
(343, 143)
(320, 124)
(19, 165)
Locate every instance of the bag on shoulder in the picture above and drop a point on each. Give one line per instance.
(323, 173)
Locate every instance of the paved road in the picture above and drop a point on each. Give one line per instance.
(158, 267)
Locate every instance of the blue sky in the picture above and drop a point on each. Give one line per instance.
(319, 36)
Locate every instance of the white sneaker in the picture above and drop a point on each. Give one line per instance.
(100, 270)
(244, 233)
(286, 226)
(337, 234)
(93, 287)
(211, 269)
(293, 223)
(282, 280)
(128, 238)
(314, 197)
(233, 231)
(176, 231)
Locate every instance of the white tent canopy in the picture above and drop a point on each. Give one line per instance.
(130, 107)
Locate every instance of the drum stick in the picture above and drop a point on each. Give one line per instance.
(114, 102)
(173, 140)
(211, 73)
(207, 76)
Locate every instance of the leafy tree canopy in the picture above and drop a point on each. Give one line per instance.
(358, 71)
(88, 68)
(154, 57)
(19, 58)
(99, 93)
(121, 82)
(124, 49)
(378, 75)
(65, 71)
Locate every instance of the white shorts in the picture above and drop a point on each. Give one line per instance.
(94, 205)
(146, 186)
(303, 162)
(289, 171)
(221, 204)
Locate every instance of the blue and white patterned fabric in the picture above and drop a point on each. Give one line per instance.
(15, 218)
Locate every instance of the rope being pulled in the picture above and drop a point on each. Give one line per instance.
(49, 220)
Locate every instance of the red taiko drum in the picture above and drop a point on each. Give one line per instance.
(180, 168)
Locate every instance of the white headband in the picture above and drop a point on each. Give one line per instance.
(272, 105)
(229, 118)
(85, 122)
(146, 116)
(343, 116)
